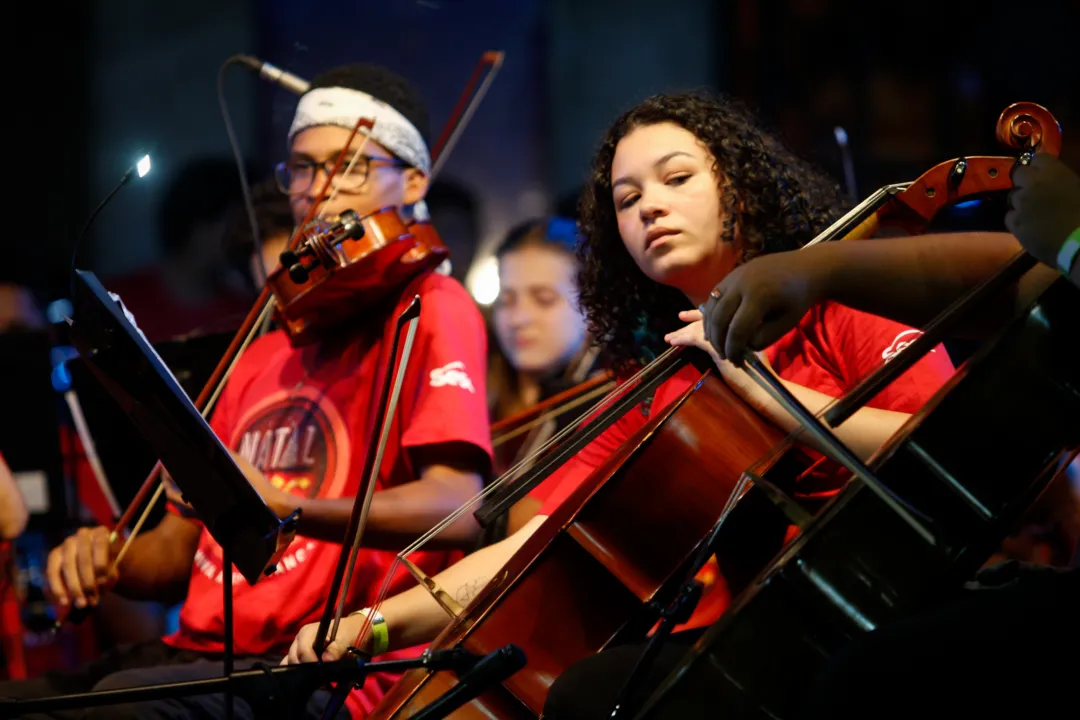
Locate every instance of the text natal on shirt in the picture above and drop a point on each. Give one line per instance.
(830, 350)
(304, 425)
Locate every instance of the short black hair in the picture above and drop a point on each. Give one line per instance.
(382, 84)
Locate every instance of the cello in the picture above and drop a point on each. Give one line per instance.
(857, 565)
(590, 577)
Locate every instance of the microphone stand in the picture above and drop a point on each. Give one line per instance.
(690, 591)
(488, 671)
(677, 612)
(281, 691)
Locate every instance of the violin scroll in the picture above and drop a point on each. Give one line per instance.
(321, 239)
(1029, 127)
(346, 264)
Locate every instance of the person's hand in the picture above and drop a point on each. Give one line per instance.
(1044, 206)
(762, 299)
(80, 570)
(693, 335)
(302, 649)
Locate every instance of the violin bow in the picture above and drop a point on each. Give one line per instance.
(471, 96)
(215, 384)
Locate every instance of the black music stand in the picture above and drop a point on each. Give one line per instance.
(237, 518)
(250, 534)
(204, 470)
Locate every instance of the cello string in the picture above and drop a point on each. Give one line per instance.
(652, 368)
(826, 235)
(511, 474)
(514, 472)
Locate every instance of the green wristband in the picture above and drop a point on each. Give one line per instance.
(1070, 250)
(380, 634)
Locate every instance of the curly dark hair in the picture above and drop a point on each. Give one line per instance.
(783, 203)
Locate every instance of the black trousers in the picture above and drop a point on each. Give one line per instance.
(154, 663)
(1009, 651)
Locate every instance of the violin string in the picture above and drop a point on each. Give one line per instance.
(576, 373)
(539, 419)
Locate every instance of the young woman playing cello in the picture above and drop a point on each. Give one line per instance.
(1018, 620)
(684, 189)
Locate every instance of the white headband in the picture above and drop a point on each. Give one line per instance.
(344, 106)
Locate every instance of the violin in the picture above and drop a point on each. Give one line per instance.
(332, 254)
(342, 265)
(860, 564)
(346, 264)
(592, 577)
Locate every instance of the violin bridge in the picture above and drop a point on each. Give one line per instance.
(448, 603)
(794, 512)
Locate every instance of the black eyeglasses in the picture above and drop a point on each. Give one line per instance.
(297, 176)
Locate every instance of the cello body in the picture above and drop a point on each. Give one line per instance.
(971, 461)
(590, 575)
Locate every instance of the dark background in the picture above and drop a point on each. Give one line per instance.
(912, 84)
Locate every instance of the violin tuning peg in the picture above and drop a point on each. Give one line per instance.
(298, 273)
(289, 258)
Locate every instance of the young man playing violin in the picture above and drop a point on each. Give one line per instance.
(1019, 622)
(297, 420)
(684, 189)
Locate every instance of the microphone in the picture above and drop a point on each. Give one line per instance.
(274, 74)
(488, 671)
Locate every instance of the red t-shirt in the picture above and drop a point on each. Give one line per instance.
(829, 351)
(304, 425)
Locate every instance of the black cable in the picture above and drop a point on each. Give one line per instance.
(245, 187)
(90, 221)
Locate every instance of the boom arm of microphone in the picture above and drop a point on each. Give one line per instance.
(276, 75)
(490, 670)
